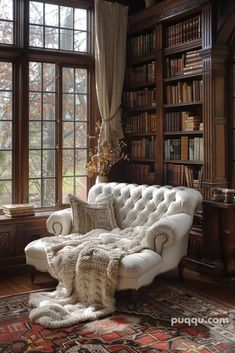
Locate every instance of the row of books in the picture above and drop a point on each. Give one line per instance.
(142, 123)
(184, 92)
(184, 148)
(189, 63)
(179, 174)
(141, 98)
(184, 31)
(182, 121)
(141, 45)
(143, 148)
(140, 173)
(141, 74)
(17, 210)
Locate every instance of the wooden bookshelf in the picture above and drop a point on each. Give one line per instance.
(176, 39)
(140, 105)
(190, 79)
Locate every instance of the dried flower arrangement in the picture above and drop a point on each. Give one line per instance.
(104, 156)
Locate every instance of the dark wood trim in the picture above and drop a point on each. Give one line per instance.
(86, 4)
(59, 129)
(86, 60)
(164, 11)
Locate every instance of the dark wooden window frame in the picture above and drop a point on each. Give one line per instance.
(20, 54)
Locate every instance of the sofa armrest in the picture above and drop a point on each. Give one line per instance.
(60, 222)
(173, 228)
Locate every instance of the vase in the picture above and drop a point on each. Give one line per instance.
(149, 3)
(101, 179)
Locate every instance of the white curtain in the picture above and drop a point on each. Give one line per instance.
(110, 58)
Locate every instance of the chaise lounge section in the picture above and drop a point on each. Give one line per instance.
(164, 209)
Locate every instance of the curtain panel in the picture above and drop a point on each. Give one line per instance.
(110, 58)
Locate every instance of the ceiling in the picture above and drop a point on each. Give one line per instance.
(135, 5)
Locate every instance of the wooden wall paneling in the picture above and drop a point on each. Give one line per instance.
(231, 124)
(7, 241)
(15, 234)
(212, 254)
(215, 119)
(219, 237)
(227, 231)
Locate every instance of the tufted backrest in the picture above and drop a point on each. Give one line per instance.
(137, 205)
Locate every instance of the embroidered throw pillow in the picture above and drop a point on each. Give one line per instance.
(88, 216)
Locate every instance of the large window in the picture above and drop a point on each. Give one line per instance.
(45, 94)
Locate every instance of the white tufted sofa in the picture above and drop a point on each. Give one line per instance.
(163, 208)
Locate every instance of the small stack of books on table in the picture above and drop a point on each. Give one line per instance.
(20, 209)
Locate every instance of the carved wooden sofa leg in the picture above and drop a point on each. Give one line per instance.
(134, 297)
(181, 268)
(32, 273)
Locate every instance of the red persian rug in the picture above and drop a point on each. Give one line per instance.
(146, 328)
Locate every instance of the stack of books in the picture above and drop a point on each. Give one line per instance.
(190, 122)
(193, 63)
(21, 209)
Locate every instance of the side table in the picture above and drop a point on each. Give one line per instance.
(15, 234)
(219, 237)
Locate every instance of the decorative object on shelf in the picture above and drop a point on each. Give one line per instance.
(223, 195)
(103, 157)
(217, 195)
(149, 3)
(16, 210)
(229, 195)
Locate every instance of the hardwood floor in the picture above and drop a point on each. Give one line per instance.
(20, 283)
(223, 289)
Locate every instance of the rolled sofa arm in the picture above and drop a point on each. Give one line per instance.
(60, 222)
(173, 227)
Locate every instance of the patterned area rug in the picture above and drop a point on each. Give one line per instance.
(146, 328)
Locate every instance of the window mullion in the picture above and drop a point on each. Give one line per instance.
(42, 150)
(59, 126)
(22, 131)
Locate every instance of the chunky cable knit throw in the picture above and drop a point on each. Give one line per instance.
(87, 267)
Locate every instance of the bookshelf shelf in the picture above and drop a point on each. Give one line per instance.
(137, 86)
(177, 161)
(179, 105)
(140, 109)
(133, 134)
(190, 45)
(143, 160)
(142, 59)
(182, 77)
(175, 133)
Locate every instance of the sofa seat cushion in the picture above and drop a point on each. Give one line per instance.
(135, 265)
(132, 266)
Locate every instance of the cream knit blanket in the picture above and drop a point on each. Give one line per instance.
(87, 267)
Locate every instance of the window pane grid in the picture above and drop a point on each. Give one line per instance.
(6, 22)
(42, 150)
(72, 35)
(74, 146)
(6, 136)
